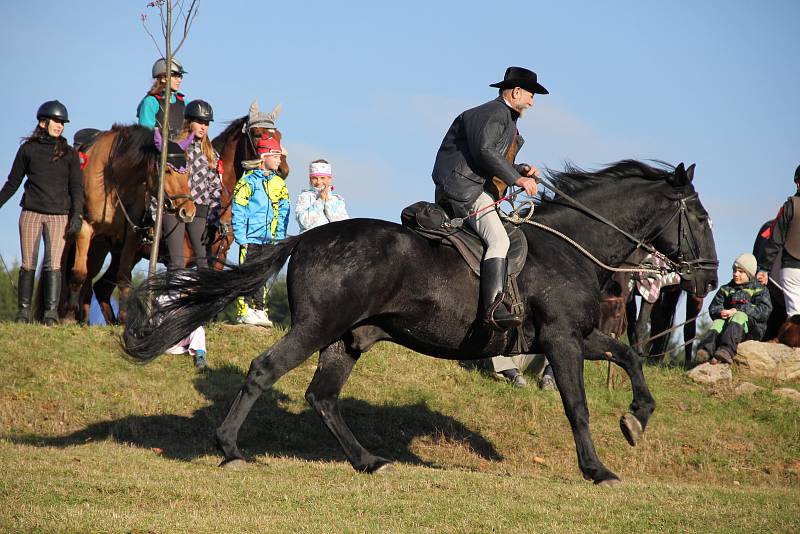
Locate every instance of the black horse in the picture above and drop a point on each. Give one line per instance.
(356, 282)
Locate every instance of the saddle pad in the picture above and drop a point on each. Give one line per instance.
(465, 240)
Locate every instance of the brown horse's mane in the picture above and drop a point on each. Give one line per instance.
(133, 154)
(233, 127)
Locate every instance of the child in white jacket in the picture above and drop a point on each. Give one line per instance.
(318, 204)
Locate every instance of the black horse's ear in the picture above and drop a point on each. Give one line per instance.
(690, 173)
(678, 178)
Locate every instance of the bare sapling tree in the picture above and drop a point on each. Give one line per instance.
(173, 14)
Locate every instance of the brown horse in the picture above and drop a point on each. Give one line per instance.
(120, 178)
(235, 144)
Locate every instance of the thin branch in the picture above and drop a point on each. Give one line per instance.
(152, 37)
(188, 20)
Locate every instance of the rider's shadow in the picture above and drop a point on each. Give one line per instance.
(272, 430)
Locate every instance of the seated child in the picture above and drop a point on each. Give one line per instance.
(740, 310)
(260, 215)
(318, 205)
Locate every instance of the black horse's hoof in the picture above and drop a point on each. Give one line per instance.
(383, 469)
(378, 466)
(234, 464)
(631, 428)
(614, 481)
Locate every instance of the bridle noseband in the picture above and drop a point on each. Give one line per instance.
(684, 267)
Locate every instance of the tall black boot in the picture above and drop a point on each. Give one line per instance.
(52, 290)
(493, 278)
(24, 295)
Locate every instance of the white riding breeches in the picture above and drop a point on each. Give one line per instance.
(490, 228)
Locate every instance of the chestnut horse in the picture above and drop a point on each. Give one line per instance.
(119, 179)
(234, 145)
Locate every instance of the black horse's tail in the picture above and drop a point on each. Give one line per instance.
(167, 307)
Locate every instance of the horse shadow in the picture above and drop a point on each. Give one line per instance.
(274, 430)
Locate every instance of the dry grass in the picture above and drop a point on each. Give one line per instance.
(91, 442)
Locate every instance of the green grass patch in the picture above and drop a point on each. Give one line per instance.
(91, 442)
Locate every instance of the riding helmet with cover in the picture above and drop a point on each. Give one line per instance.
(160, 67)
(199, 109)
(53, 109)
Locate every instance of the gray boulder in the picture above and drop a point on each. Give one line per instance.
(707, 373)
(772, 360)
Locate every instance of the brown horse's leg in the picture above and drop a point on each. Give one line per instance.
(289, 352)
(128, 258)
(104, 288)
(333, 369)
(83, 242)
(662, 318)
(693, 306)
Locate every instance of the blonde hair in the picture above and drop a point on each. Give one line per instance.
(206, 146)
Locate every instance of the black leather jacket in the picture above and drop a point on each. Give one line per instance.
(473, 151)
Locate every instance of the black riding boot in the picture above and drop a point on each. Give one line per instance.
(24, 295)
(52, 290)
(493, 279)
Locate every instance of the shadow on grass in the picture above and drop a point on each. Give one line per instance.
(272, 430)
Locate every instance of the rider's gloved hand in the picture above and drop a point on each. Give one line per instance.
(75, 224)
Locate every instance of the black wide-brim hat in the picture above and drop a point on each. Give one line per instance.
(521, 77)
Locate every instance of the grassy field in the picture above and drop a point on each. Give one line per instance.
(90, 442)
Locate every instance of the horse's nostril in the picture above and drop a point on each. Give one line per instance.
(184, 216)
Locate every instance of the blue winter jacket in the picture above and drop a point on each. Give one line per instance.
(260, 211)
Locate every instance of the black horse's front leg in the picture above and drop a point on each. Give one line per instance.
(599, 346)
(565, 356)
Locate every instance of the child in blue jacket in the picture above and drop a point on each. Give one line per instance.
(260, 215)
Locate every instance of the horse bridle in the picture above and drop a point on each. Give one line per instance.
(685, 268)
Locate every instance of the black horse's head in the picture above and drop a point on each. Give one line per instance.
(686, 238)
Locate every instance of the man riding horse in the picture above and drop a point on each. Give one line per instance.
(481, 144)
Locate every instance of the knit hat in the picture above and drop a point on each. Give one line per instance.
(319, 168)
(256, 119)
(747, 262)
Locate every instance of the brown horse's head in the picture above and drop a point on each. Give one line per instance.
(177, 195)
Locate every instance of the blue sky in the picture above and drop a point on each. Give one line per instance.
(373, 87)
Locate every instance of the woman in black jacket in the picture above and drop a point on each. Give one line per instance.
(51, 205)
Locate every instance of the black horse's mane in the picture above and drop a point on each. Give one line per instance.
(574, 179)
(234, 126)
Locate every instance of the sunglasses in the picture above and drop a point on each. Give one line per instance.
(177, 75)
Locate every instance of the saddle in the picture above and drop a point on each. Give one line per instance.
(432, 222)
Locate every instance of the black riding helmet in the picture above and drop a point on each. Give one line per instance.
(199, 109)
(53, 109)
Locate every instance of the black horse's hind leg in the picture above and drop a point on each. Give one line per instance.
(565, 356)
(333, 370)
(265, 370)
(599, 346)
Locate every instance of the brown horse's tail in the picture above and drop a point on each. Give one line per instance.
(167, 307)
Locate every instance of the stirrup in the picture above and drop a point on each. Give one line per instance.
(506, 319)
